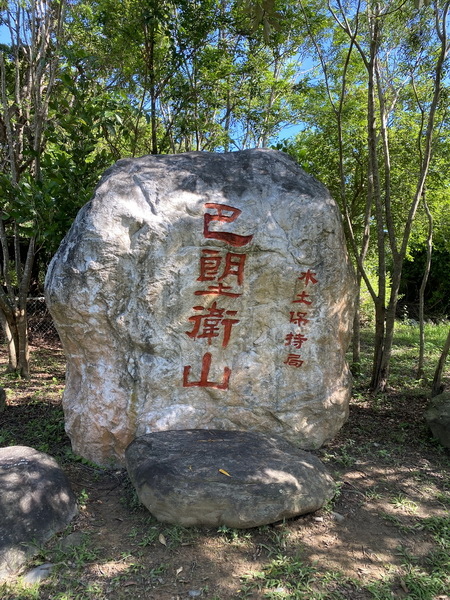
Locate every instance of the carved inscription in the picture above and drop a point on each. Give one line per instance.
(222, 273)
(296, 340)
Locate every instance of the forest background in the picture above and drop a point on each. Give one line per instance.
(364, 86)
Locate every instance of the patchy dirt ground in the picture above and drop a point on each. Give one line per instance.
(392, 477)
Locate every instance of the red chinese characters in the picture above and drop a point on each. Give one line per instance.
(209, 324)
(299, 318)
(295, 339)
(301, 298)
(222, 273)
(203, 381)
(218, 267)
(294, 360)
(225, 214)
(308, 277)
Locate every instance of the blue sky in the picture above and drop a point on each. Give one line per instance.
(4, 37)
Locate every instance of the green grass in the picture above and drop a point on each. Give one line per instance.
(292, 577)
(405, 352)
(403, 502)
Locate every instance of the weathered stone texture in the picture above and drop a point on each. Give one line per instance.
(134, 280)
(438, 418)
(233, 478)
(36, 501)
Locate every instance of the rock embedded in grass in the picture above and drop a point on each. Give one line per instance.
(36, 501)
(238, 479)
(438, 418)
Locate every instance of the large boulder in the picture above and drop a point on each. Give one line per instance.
(36, 501)
(203, 291)
(233, 478)
(438, 418)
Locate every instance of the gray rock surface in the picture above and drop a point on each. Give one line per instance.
(36, 501)
(38, 574)
(233, 478)
(438, 418)
(203, 291)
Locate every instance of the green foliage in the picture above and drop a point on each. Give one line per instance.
(138, 77)
(81, 145)
(437, 291)
(196, 78)
(366, 305)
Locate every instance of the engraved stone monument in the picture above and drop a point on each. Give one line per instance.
(207, 291)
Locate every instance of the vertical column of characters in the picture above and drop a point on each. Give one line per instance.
(295, 340)
(222, 271)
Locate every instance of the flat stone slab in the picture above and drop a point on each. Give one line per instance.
(36, 501)
(233, 478)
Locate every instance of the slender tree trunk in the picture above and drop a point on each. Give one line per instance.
(356, 337)
(386, 353)
(136, 125)
(379, 340)
(12, 342)
(374, 192)
(420, 365)
(150, 46)
(153, 94)
(21, 313)
(23, 366)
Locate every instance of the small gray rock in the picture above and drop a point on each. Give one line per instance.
(73, 540)
(438, 418)
(338, 517)
(38, 574)
(36, 501)
(233, 478)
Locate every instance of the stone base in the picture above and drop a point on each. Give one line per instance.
(233, 478)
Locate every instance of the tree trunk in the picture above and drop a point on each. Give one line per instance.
(13, 315)
(379, 340)
(356, 337)
(380, 374)
(374, 191)
(12, 342)
(386, 352)
(420, 365)
(153, 92)
(22, 318)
